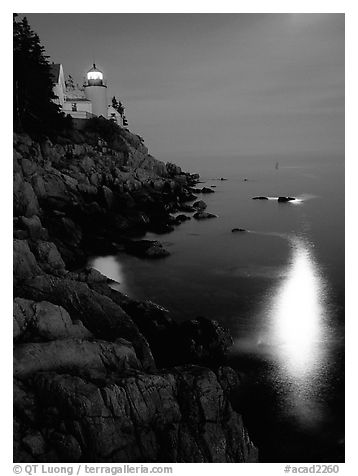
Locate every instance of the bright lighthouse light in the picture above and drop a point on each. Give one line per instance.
(94, 75)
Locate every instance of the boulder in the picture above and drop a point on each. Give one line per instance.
(52, 322)
(207, 190)
(203, 341)
(146, 249)
(23, 316)
(24, 199)
(285, 199)
(260, 198)
(44, 321)
(34, 443)
(87, 358)
(203, 215)
(28, 167)
(34, 227)
(100, 315)
(89, 275)
(24, 262)
(173, 169)
(235, 230)
(181, 218)
(186, 208)
(200, 205)
(48, 256)
(67, 447)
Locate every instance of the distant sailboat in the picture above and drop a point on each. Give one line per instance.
(276, 166)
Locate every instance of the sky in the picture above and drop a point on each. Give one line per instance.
(207, 85)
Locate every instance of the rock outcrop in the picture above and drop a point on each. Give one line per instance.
(201, 215)
(98, 376)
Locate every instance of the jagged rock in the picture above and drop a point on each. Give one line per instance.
(285, 199)
(52, 186)
(203, 215)
(24, 262)
(90, 275)
(35, 443)
(25, 200)
(186, 208)
(24, 401)
(23, 315)
(28, 167)
(99, 314)
(86, 164)
(200, 205)
(67, 447)
(107, 196)
(95, 179)
(203, 341)
(48, 256)
(181, 218)
(173, 169)
(187, 418)
(87, 358)
(34, 227)
(86, 384)
(146, 249)
(71, 182)
(207, 190)
(87, 189)
(68, 231)
(45, 321)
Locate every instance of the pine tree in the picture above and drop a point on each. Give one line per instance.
(118, 106)
(34, 110)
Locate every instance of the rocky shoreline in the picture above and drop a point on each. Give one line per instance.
(98, 376)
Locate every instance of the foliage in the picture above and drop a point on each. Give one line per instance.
(34, 109)
(118, 106)
(106, 130)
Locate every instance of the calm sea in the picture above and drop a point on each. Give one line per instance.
(279, 288)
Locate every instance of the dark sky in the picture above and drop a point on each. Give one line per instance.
(209, 84)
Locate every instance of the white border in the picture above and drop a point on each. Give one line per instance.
(304, 6)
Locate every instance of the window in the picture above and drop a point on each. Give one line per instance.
(74, 106)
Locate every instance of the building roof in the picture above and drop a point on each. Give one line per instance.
(55, 72)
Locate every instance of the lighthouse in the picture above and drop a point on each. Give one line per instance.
(96, 92)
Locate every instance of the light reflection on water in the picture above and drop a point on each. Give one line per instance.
(296, 314)
(111, 267)
(296, 335)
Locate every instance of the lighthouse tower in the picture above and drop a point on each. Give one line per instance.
(96, 92)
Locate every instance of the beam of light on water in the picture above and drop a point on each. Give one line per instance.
(297, 333)
(297, 314)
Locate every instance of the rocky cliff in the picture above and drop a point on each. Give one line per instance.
(99, 376)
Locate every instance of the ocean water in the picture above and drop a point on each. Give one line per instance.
(279, 288)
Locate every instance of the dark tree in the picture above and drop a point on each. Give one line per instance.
(118, 106)
(70, 84)
(34, 109)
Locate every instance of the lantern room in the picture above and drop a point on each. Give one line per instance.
(94, 76)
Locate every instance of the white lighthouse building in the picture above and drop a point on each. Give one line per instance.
(96, 92)
(86, 101)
